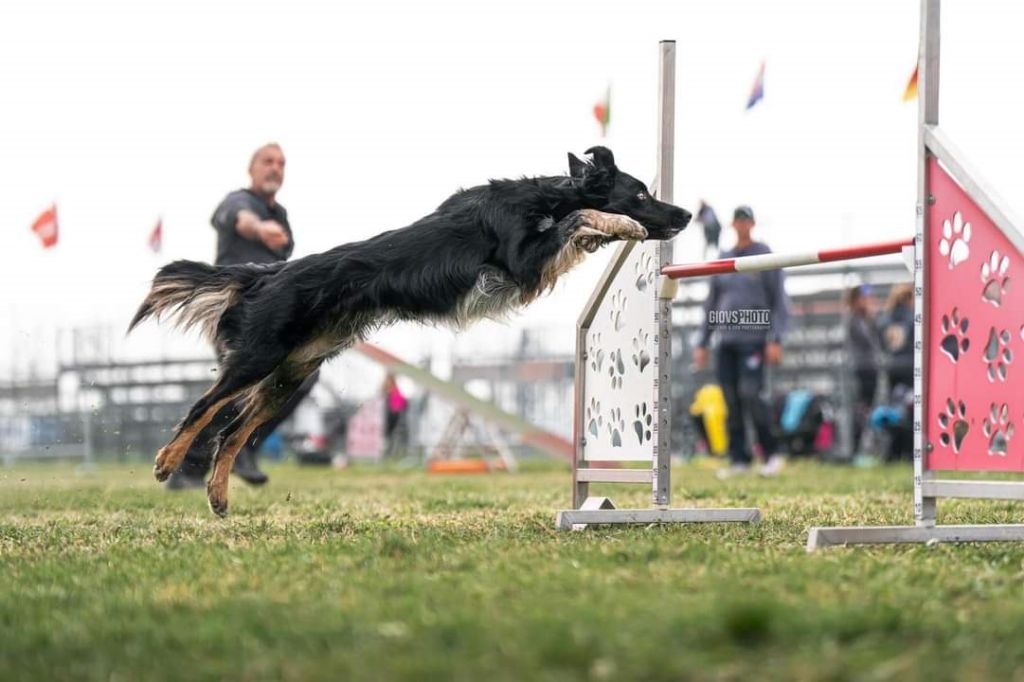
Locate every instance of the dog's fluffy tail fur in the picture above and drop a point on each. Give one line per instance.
(197, 294)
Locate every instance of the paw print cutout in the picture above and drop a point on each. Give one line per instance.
(956, 237)
(616, 427)
(594, 419)
(642, 425)
(953, 423)
(644, 269)
(616, 368)
(641, 358)
(993, 274)
(618, 312)
(998, 354)
(954, 342)
(597, 354)
(998, 429)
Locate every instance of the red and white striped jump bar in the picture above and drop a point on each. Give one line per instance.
(775, 261)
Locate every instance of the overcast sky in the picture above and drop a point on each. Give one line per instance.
(126, 111)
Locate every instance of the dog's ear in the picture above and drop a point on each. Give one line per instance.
(576, 167)
(594, 178)
(603, 157)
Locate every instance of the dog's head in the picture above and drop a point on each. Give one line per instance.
(605, 188)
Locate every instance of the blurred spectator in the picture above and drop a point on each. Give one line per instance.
(863, 350)
(750, 312)
(252, 227)
(896, 331)
(396, 405)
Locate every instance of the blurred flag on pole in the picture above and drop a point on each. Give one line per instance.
(603, 111)
(156, 237)
(911, 91)
(45, 227)
(757, 92)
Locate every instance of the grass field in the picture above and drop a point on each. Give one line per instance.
(361, 575)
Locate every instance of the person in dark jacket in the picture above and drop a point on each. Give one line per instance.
(750, 313)
(896, 331)
(863, 350)
(896, 334)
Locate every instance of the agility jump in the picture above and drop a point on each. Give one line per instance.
(623, 369)
(968, 327)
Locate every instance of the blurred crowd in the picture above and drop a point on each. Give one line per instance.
(742, 334)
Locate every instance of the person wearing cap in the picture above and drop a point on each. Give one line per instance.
(750, 313)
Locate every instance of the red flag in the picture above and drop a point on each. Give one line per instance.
(603, 111)
(156, 237)
(45, 227)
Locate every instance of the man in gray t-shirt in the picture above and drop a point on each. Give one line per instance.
(252, 227)
(750, 313)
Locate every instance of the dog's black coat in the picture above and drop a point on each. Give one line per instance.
(483, 251)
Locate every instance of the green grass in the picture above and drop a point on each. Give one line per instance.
(361, 575)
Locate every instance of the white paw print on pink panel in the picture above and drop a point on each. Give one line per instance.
(993, 274)
(956, 235)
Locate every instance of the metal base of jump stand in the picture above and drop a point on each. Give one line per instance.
(876, 535)
(601, 510)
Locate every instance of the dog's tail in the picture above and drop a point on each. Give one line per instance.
(197, 294)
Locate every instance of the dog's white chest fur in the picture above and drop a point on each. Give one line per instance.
(493, 296)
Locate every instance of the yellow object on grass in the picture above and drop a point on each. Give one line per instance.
(709, 404)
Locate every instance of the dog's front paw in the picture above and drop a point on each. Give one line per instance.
(625, 227)
(611, 225)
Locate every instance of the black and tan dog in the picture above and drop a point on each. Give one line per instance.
(484, 252)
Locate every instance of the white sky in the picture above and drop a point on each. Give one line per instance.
(123, 111)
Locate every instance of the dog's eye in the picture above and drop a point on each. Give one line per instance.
(642, 196)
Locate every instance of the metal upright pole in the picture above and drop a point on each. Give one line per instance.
(662, 399)
(928, 115)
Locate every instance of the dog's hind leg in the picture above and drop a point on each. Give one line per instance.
(228, 387)
(264, 401)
